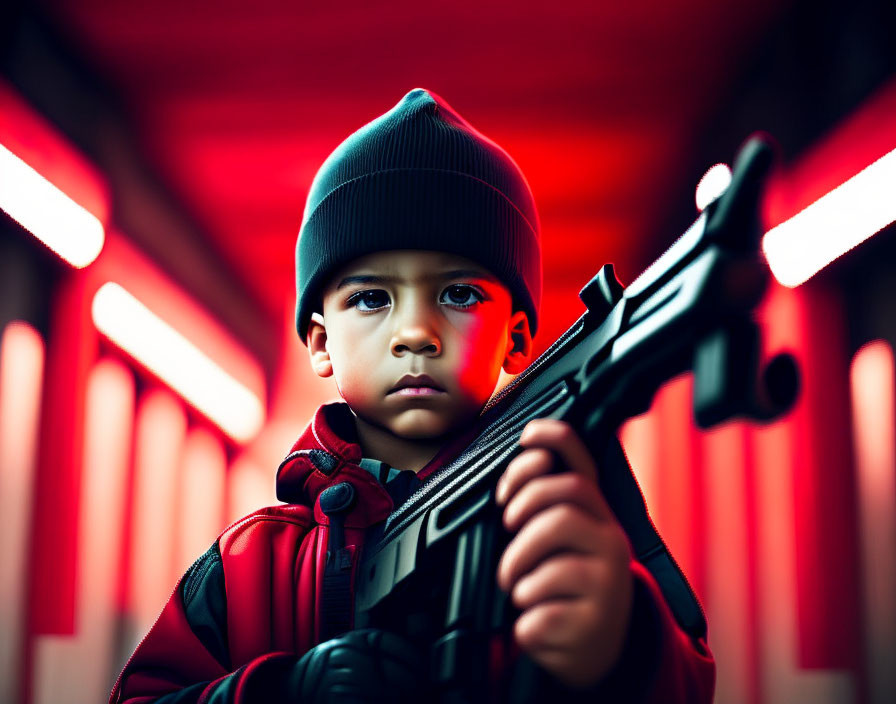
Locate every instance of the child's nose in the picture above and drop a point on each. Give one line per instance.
(415, 333)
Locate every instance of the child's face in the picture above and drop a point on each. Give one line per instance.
(395, 314)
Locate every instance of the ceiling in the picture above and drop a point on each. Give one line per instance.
(236, 104)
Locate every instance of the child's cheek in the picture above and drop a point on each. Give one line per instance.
(353, 352)
(477, 351)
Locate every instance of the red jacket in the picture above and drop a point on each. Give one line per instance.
(249, 607)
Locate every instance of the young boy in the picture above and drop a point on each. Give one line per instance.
(419, 279)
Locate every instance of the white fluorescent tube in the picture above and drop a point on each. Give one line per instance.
(46, 212)
(803, 245)
(178, 362)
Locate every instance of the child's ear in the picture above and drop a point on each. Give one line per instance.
(519, 344)
(317, 346)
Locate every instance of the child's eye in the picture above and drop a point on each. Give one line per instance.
(461, 296)
(373, 299)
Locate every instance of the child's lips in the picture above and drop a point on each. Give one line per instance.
(417, 391)
(416, 385)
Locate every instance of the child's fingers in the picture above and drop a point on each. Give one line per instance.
(560, 437)
(548, 442)
(524, 467)
(561, 528)
(556, 635)
(548, 445)
(552, 627)
(543, 492)
(564, 576)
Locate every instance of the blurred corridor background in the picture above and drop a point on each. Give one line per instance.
(154, 163)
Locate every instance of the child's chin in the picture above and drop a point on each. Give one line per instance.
(424, 424)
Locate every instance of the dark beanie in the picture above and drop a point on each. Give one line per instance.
(420, 177)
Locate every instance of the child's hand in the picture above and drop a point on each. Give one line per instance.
(567, 568)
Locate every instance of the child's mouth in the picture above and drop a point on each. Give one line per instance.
(417, 391)
(417, 385)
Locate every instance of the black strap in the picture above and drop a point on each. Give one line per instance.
(622, 492)
(336, 598)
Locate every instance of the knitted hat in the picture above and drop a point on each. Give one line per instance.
(420, 177)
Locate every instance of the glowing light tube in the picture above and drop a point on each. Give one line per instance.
(713, 184)
(47, 213)
(21, 382)
(178, 362)
(838, 221)
(872, 386)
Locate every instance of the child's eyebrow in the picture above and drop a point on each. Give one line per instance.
(380, 279)
(364, 279)
(466, 274)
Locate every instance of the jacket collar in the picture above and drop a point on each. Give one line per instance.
(328, 452)
(320, 456)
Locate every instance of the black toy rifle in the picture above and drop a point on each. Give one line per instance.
(431, 577)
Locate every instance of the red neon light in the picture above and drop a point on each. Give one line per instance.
(61, 660)
(21, 379)
(202, 495)
(161, 425)
(874, 433)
